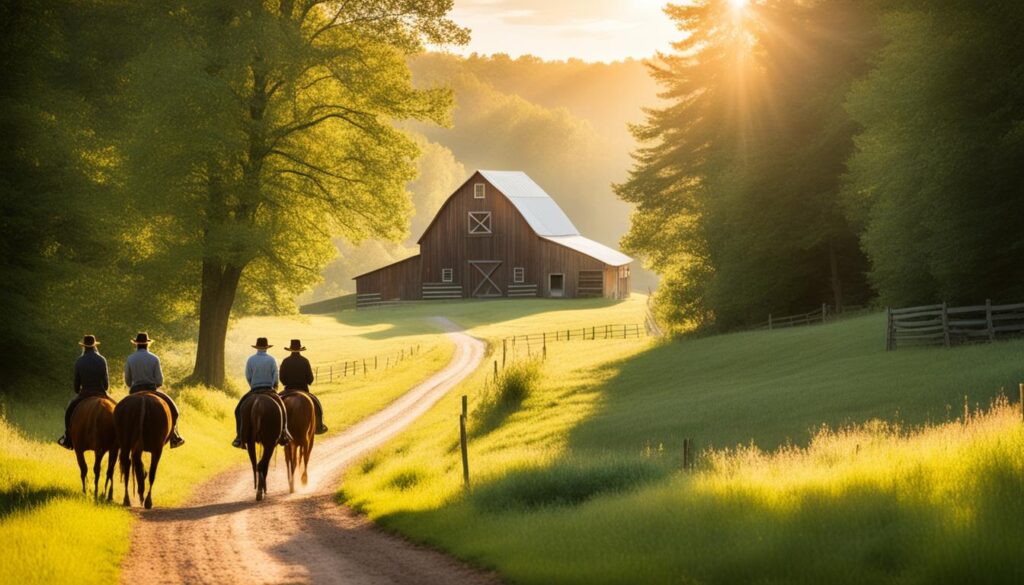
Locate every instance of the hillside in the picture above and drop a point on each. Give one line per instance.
(583, 479)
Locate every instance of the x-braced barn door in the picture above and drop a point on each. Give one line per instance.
(483, 280)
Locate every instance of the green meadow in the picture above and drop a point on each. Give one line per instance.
(40, 492)
(822, 459)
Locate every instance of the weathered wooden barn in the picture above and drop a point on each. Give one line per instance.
(500, 235)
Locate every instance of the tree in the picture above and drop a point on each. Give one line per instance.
(259, 130)
(936, 182)
(736, 184)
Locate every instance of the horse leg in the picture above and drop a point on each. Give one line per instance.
(140, 473)
(289, 460)
(306, 450)
(97, 470)
(82, 467)
(265, 466)
(108, 485)
(153, 462)
(251, 448)
(126, 472)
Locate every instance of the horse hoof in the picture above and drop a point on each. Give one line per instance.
(149, 504)
(126, 504)
(259, 496)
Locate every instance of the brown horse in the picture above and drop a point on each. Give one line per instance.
(92, 429)
(301, 424)
(143, 424)
(262, 424)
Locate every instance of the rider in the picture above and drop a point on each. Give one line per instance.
(297, 374)
(91, 379)
(261, 374)
(142, 374)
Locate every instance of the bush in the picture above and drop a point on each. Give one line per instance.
(565, 483)
(498, 400)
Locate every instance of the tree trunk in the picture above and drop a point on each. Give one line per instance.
(220, 283)
(837, 283)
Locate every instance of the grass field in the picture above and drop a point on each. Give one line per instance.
(40, 497)
(581, 483)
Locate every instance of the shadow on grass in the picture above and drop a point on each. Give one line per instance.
(22, 496)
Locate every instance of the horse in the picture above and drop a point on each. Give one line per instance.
(262, 424)
(92, 429)
(301, 424)
(143, 424)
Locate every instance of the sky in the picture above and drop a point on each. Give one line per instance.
(591, 30)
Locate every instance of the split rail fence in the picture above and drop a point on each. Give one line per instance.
(944, 325)
(811, 318)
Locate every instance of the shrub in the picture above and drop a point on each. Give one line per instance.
(498, 400)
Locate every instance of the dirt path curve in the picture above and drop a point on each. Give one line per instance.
(224, 536)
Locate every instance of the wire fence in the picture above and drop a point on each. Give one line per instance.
(342, 367)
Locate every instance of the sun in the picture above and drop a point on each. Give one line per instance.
(738, 4)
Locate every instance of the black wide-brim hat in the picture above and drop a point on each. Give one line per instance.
(142, 339)
(88, 341)
(296, 345)
(261, 343)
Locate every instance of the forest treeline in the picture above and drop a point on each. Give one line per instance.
(171, 164)
(840, 151)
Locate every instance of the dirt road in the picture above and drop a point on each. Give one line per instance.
(223, 536)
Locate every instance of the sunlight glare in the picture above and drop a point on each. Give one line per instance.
(738, 4)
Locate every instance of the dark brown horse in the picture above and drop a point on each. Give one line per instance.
(301, 424)
(92, 429)
(143, 424)
(262, 423)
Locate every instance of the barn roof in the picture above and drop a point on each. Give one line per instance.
(595, 250)
(537, 207)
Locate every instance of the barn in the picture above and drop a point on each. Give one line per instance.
(500, 235)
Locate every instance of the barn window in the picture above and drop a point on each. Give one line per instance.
(479, 222)
(518, 275)
(446, 275)
(479, 190)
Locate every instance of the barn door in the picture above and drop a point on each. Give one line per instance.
(483, 278)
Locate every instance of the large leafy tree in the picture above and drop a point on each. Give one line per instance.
(259, 130)
(937, 182)
(736, 184)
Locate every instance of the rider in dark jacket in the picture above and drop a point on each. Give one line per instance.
(297, 374)
(91, 379)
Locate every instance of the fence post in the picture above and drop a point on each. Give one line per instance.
(316, 372)
(686, 454)
(465, 451)
(824, 309)
(988, 321)
(504, 351)
(592, 333)
(889, 341)
(375, 362)
(945, 324)
(605, 332)
(769, 321)
(330, 374)
(364, 366)
(495, 371)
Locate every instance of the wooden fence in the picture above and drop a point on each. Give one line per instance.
(814, 317)
(342, 368)
(943, 325)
